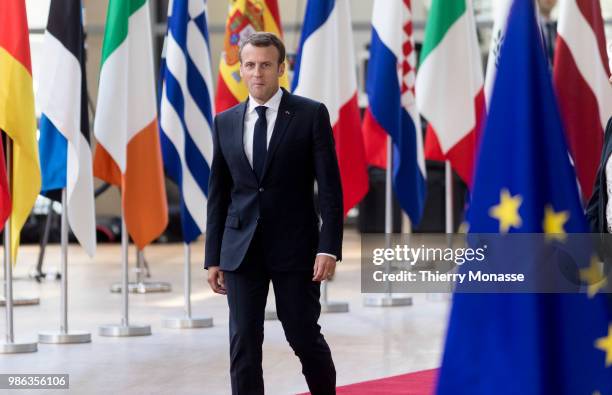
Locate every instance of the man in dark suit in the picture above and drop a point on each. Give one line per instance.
(597, 211)
(262, 223)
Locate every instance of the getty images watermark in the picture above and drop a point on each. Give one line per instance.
(486, 263)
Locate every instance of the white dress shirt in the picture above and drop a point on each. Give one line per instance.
(251, 117)
(609, 192)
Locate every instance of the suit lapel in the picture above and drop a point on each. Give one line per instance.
(283, 118)
(238, 139)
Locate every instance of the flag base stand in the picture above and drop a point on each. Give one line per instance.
(16, 348)
(59, 337)
(386, 300)
(187, 323)
(50, 274)
(334, 307)
(125, 330)
(437, 297)
(143, 287)
(21, 302)
(331, 307)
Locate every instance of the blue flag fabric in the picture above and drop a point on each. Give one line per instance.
(524, 182)
(186, 110)
(53, 151)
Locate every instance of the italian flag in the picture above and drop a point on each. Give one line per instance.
(128, 152)
(449, 85)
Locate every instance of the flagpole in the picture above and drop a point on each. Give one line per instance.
(331, 307)
(448, 189)
(388, 299)
(9, 346)
(64, 336)
(124, 329)
(449, 224)
(187, 321)
(141, 286)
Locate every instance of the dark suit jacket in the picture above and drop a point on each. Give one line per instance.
(300, 151)
(596, 209)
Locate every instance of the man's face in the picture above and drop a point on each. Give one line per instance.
(260, 70)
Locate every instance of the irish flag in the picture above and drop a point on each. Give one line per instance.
(128, 153)
(449, 86)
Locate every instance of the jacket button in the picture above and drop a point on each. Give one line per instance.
(261, 189)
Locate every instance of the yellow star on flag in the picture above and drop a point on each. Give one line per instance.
(605, 345)
(593, 277)
(554, 222)
(507, 211)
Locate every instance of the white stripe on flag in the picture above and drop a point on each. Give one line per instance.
(141, 93)
(197, 125)
(193, 196)
(80, 193)
(331, 43)
(197, 48)
(501, 9)
(59, 98)
(385, 20)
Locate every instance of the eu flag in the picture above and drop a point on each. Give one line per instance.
(524, 182)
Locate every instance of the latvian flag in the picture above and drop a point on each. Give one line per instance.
(65, 154)
(392, 107)
(581, 81)
(325, 72)
(449, 87)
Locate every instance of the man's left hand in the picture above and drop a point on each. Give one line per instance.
(324, 268)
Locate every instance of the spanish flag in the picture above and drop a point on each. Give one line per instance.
(245, 17)
(128, 153)
(17, 117)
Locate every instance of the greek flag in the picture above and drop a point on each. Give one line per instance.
(186, 110)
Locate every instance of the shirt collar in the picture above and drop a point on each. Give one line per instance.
(272, 104)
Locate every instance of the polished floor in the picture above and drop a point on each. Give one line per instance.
(367, 342)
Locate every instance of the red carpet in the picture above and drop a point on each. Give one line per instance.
(417, 383)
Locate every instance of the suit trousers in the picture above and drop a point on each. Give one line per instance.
(298, 309)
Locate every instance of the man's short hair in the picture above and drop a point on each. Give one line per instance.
(264, 39)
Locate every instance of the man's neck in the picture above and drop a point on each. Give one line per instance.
(263, 101)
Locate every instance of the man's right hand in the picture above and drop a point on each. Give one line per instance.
(216, 280)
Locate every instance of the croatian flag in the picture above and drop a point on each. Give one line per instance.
(325, 72)
(392, 105)
(186, 108)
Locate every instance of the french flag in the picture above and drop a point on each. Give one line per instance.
(324, 72)
(581, 80)
(392, 106)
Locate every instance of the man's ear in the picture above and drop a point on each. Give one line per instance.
(281, 69)
(241, 75)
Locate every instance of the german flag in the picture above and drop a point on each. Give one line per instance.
(17, 117)
(245, 18)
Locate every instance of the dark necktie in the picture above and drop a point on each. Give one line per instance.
(260, 141)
